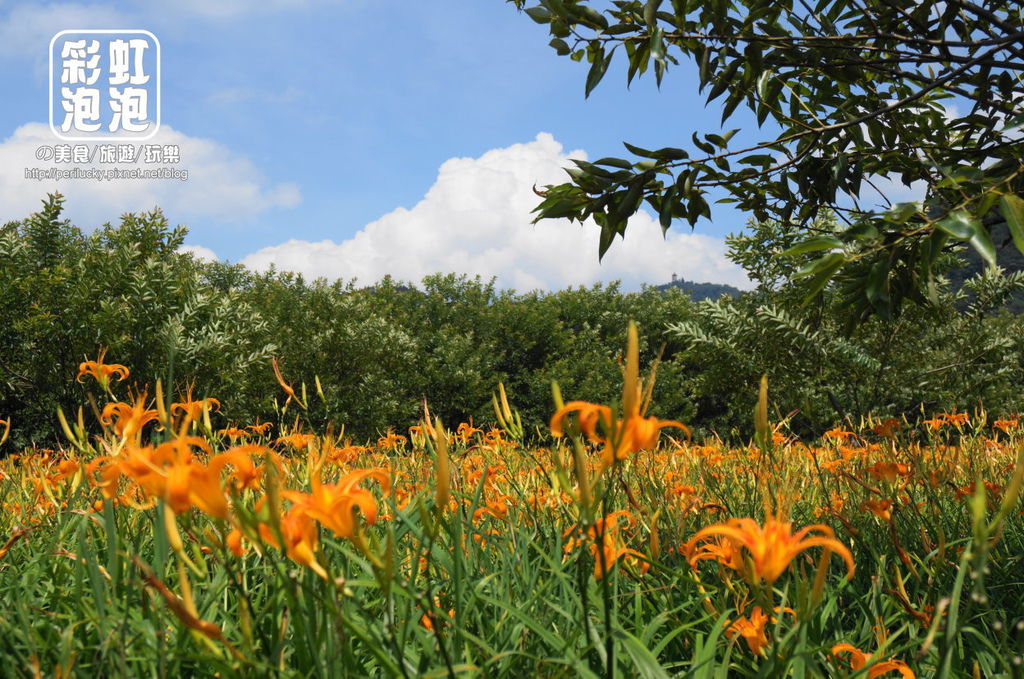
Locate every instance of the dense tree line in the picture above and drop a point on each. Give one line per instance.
(378, 351)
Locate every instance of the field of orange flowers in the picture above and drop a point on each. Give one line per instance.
(614, 546)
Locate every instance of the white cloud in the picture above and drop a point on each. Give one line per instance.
(199, 252)
(221, 184)
(475, 219)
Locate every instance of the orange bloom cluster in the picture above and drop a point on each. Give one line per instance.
(751, 629)
(771, 547)
(175, 472)
(943, 419)
(858, 660)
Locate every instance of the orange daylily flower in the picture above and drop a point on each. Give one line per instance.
(942, 419)
(101, 371)
(334, 505)
(774, 546)
(956, 419)
(888, 472)
(723, 550)
(466, 432)
(604, 543)
(752, 630)
(128, 420)
(391, 441)
(888, 428)
(288, 389)
(300, 539)
(838, 434)
(260, 429)
(859, 659)
(630, 434)
(172, 472)
(880, 508)
(1006, 425)
(234, 542)
(427, 622)
(192, 408)
(296, 441)
(233, 433)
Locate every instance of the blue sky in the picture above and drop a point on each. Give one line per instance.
(355, 138)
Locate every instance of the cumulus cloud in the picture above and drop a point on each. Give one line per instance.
(475, 219)
(199, 252)
(221, 184)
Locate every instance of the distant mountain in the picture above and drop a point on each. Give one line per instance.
(699, 292)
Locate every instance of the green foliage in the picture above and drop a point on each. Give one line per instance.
(849, 92)
(66, 294)
(378, 352)
(965, 351)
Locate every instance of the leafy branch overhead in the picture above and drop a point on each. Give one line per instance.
(846, 93)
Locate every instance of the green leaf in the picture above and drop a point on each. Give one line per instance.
(901, 212)
(651, 12)
(630, 202)
(607, 236)
(814, 244)
(759, 159)
(981, 241)
(636, 150)
(878, 287)
(822, 271)
(703, 145)
(657, 45)
(762, 84)
(645, 664)
(717, 140)
(615, 162)
(539, 14)
(1012, 209)
(668, 205)
(561, 47)
(589, 16)
(669, 153)
(597, 70)
(959, 224)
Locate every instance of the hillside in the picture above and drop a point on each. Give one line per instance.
(700, 291)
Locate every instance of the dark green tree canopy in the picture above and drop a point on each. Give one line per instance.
(845, 93)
